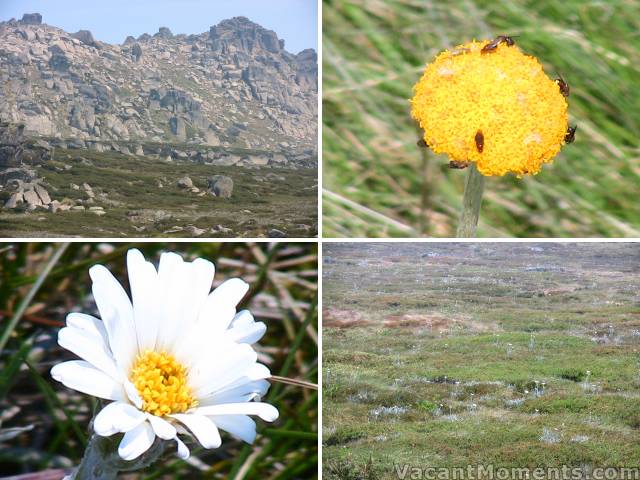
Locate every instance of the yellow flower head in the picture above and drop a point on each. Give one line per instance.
(496, 108)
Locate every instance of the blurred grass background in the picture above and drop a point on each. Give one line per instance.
(375, 50)
(43, 425)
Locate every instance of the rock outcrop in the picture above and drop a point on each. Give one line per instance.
(31, 19)
(235, 86)
(86, 37)
(11, 144)
(28, 195)
(16, 175)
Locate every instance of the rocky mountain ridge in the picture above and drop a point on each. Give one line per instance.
(233, 87)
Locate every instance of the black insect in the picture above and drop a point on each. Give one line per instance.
(421, 143)
(564, 86)
(571, 134)
(493, 45)
(479, 141)
(458, 164)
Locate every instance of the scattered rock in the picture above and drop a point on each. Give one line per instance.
(88, 190)
(32, 199)
(220, 186)
(185, 182)
(15, 200)
(226, 160)
(219, 229)
(275, 233)
(194, 231)
(45, 199)
(148, 216)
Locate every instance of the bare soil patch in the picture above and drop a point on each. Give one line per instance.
(436, 322)
(333, 317)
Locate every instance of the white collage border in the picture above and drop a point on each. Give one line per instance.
(320, 240)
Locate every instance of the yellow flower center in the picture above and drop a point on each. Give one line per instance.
(161, 381)
(498, 109)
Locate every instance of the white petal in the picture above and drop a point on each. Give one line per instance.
(137, 441)
(257, 371)
(132, 393)
(231, 291)
(89, 324)
(143, 280)
(117, 417)
(89, 347)
(81, 376)
(265, 411)
(240, 426)
(117, 314)
(202, 428)
(242, 319)
(183, 451)
(242, 393)
(184, 290)
(206, 376)
(222, 302)
(161, 427)
(247, 333)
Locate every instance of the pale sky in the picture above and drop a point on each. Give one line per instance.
(112, 20)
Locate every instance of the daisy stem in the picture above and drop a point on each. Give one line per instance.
(471, 203)
(101, 460)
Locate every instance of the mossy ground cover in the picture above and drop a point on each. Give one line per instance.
(378, 183)
(478, 354)
(263, 199)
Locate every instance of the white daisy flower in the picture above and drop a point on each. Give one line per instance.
(174, 359)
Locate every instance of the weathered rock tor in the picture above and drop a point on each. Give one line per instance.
(161, 87)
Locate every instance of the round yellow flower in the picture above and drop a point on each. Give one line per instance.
(496, 108)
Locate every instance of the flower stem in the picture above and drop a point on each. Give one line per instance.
(471, 203)
(102, 462)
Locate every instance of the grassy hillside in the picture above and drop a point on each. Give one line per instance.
(141, 199)
(445, 355)
(378, 184)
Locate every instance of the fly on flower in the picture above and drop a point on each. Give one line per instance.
(493, 45)
(174, 359)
